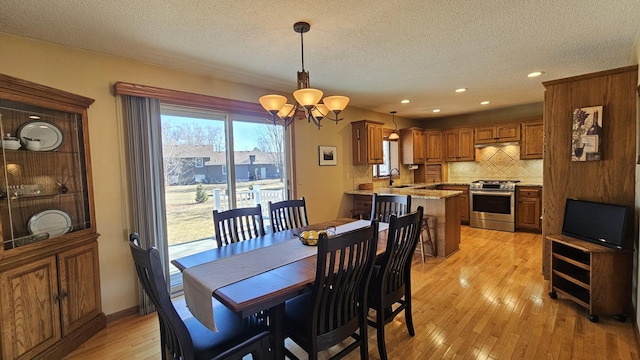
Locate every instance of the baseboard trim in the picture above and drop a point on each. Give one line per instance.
(122, 314)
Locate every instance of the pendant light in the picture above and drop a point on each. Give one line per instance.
(394, 134)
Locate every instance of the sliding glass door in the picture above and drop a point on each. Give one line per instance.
(213, 161)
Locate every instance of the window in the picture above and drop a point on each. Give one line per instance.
(199, 163)
(390, 156)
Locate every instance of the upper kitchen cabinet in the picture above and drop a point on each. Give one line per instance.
(497, 133)
(367, 142)
(413, 148)
(434, 153)
(49, 271)
(459, 144)
(532, 145)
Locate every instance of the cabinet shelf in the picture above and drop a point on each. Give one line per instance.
(595, 277)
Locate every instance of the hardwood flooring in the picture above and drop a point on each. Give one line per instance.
(486, 301)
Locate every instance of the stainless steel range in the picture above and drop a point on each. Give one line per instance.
(492, 204)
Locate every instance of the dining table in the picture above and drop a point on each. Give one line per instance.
(264, 288)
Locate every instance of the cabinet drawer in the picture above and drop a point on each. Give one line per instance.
(529, 192)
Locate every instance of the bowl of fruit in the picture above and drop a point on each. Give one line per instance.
(310, 237)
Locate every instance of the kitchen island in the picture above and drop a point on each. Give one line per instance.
(441, 206)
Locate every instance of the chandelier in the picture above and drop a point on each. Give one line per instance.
(307, 99)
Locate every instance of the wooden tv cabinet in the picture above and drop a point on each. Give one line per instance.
(591, 275)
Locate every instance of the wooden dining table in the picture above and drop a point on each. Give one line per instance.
(270, 289)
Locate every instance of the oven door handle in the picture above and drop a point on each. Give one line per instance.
(497, 193)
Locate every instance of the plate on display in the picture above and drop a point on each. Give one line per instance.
(50, 135)
(54, 222)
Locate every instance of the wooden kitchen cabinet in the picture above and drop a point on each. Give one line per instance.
(462, 198)
(413, 147)
(497, 133)
(49, 269)
(458, 144)
(529, 208)
(434, 153)
(532, 144)
(591, 275)
(367, 142)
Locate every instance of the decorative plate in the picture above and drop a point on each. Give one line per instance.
(49, 134)
(54, 222)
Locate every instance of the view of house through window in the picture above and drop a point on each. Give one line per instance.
(212, 161)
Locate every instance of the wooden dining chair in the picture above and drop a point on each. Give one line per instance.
(288, 214)
(335, 309)
(390, 286)
(236, 225)
(188, 339)
(383, 206)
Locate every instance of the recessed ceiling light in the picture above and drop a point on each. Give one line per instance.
(436, 110)
(34, 117)
(485, 102)
(405, 101)
(461, 90)
(535, 74)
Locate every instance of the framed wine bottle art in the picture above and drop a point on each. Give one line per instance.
(586, 137)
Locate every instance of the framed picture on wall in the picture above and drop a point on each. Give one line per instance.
(586, 137)
(327, 155)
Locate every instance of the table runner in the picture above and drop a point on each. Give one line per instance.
(199, 282)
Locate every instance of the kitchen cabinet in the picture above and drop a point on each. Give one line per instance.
(434, 153)
(49, 270)
(591, 275)
(367, 142)
(497, 133)
(458, 144)
(413, 147)
(462, 198)
(529, 208)
(532, 144)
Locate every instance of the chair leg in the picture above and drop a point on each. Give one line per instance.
(421, 247)
(408, 315)
(382, 347)
(429, 241)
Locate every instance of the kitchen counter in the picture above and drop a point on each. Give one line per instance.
(440, 206)
(414, 190)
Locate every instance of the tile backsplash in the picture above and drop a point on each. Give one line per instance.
(497, 162)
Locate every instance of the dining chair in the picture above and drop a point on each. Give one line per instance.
(335, 309)
(383, 206)
(390, 286)
(236, 225)
(188, 339)
(288, 214)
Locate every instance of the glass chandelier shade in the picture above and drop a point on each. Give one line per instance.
(308, 99)
(394, 134)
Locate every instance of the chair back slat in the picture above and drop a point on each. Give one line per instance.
(402, 238)
(288, 214)
(236, 225)
(343, 270)
(383, 206)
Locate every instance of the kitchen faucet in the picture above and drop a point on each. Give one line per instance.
(391, 175)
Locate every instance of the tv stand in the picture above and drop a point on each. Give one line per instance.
(593, 276)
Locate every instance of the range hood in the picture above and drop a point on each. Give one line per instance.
(497, 144)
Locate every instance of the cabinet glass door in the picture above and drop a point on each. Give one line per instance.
(43, 185)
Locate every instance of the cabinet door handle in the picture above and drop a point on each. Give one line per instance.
(61, 296)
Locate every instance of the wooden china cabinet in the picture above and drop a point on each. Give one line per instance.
(50, 299)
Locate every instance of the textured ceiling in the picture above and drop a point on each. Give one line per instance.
(377, 52)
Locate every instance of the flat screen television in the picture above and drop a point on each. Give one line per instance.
(600, 223)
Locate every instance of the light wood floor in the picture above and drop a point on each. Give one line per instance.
(487, 301)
